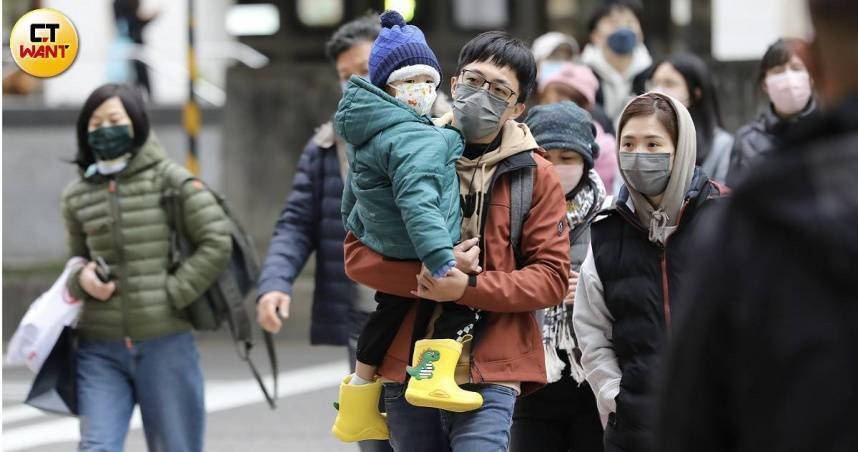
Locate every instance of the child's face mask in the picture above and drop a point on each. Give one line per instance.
(419, 96)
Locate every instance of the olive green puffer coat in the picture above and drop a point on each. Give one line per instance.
(121, 219)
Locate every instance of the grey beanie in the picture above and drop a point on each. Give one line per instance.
(564, 125)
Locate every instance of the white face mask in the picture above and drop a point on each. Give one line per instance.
(789, 91)
(419, 96)
(108, 167)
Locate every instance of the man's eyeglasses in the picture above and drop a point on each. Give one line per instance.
(497, 90)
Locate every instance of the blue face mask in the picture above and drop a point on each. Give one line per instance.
(550, 67)
(623, 41)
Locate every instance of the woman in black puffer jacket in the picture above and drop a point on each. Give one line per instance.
(784, 78)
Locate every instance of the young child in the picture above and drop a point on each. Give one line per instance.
(402, 200)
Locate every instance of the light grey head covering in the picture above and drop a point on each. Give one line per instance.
(661, 220)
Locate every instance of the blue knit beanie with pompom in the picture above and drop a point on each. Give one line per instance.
(398, 45)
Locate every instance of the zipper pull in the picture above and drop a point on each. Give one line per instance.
(128, 344)
(112, 186)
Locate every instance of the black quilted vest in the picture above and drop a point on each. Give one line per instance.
(639, 277)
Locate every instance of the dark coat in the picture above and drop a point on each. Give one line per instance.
(758, 137)
(310, 221)
(765, 356)
(639, 279)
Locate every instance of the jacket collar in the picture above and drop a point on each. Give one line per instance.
(843, 118)
(773, 123)
(515, 162)
(324, 137)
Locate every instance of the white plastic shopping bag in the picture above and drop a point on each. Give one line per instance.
(44, 321)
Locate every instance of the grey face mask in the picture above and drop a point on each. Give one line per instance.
(646, 172)
(477, 113)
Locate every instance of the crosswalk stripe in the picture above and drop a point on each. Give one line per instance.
(15, 390)
(220, 396)
(20, 413)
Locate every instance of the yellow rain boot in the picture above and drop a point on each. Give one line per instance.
(432, 383)
(358, 418)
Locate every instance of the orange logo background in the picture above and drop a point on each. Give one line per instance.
(44, 42)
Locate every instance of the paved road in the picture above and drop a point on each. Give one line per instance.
(238, 418)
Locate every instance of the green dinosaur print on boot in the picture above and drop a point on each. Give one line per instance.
(424, 367)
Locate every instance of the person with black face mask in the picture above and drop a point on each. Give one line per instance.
(135, 342)
(617, 54)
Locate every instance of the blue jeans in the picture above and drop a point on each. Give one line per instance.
(162, 375)
(416, 429)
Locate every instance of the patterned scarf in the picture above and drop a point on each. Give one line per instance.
(578, 209)
(556, 321)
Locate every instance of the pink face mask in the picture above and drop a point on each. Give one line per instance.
(569, 175)
(789, 91)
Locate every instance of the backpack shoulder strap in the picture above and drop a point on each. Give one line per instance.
(521, 197)
(244, 348)
(173, 178)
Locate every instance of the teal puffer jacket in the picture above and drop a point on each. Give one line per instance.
(402, 194)
(121, 219)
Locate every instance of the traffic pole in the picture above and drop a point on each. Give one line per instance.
(191, 112)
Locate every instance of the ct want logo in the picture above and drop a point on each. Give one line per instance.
(44, 42)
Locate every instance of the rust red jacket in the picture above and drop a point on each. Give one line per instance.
(509, 348)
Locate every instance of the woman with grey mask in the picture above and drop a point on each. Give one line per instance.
(635, 264)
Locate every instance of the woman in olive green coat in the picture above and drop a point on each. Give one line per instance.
(135, 340)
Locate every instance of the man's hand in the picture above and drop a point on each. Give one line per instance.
(573, 285)
(468, 256)
(448, 288)
(90, 283)
(269, 306)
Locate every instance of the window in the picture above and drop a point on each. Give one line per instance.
(481, 14)
(320, 13)
(252, 20)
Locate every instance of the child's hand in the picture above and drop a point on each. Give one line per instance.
(468, 256)
(448, 288)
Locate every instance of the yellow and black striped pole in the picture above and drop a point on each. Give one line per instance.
(191, 113)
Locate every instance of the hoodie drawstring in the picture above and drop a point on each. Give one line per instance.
(657, 224)
(480, 197)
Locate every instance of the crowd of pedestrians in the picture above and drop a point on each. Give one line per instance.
(569, 254)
